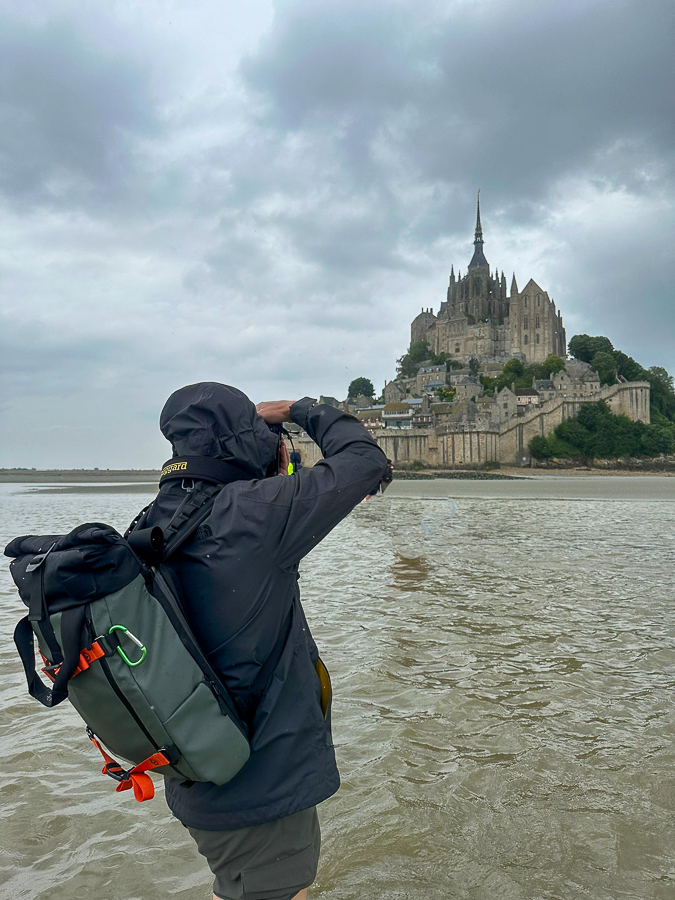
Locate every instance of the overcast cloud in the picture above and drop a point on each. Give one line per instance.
(266, 193)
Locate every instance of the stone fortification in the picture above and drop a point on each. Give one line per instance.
(475, 443)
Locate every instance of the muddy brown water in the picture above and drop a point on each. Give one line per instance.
(503, 662)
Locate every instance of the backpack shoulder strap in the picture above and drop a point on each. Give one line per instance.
(156, 545)
(189, 518)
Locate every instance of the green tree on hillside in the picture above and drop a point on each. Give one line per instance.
(444, 359)
(584, 347)
(662, 391)
(361, 386)
(605, 365)
(628, 367)
(409, 363)
(551, 366)
(597, 352)
(598, 433)
(446, 394)
(513, 370)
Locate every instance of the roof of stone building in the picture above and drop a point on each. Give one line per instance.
(398, 407)
(330, 401)
(426, 369)
(468, 379)
(533, 283)
(544, 384)
(577, 367)
(367, 414)
(526, 392)
(440, 408)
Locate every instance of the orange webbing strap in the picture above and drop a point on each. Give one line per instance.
(133, 778)
(87, 657)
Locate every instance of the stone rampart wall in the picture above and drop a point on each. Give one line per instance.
(508, 445)
(630, 399)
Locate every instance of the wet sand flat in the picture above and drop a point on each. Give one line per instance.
(543, 487)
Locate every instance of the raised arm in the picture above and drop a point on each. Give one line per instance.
(294, 513)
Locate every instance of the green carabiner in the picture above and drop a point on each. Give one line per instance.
(133, 638)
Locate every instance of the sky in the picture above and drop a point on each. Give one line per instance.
(266, 192)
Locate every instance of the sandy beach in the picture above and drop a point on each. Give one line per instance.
(101, 478)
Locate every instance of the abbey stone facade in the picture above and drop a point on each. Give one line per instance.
(479, 320)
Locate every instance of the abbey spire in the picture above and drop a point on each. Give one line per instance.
(479, 319)
(478, 259)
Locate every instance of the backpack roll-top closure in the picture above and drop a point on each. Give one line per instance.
(91, 561)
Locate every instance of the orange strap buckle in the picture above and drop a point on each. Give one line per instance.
(87, 657)
(134, 778)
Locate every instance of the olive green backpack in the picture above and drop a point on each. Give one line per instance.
(115, 641)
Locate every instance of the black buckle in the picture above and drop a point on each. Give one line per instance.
(37, 561)
(121, 775)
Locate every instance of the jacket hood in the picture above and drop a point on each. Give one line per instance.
(216, 420)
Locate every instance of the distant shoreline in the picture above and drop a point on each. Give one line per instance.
(78, 476)
(150, 477)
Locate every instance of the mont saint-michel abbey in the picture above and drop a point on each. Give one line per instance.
(445, 414)
(478, 318)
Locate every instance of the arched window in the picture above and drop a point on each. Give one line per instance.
(525, 338)
(537, 337)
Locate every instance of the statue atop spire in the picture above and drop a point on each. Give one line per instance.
(478, 258)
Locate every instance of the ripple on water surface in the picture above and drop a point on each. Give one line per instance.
(503, 678)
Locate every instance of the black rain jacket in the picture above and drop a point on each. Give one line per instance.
(238, 579)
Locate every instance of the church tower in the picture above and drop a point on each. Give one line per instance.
(478, 318)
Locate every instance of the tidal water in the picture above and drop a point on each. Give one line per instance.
(503, 662)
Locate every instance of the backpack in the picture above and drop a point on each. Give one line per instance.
(115, 641)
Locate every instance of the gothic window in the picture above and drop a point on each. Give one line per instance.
(537, 337)
(456, 348)
(525, 338)
(538, 299)
(525, 322)
(537, 321)
(525, 301)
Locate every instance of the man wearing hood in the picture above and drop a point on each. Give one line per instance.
(238, 580)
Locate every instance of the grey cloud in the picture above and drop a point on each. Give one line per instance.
(68, 111)
(278, 229)
(506, 100)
